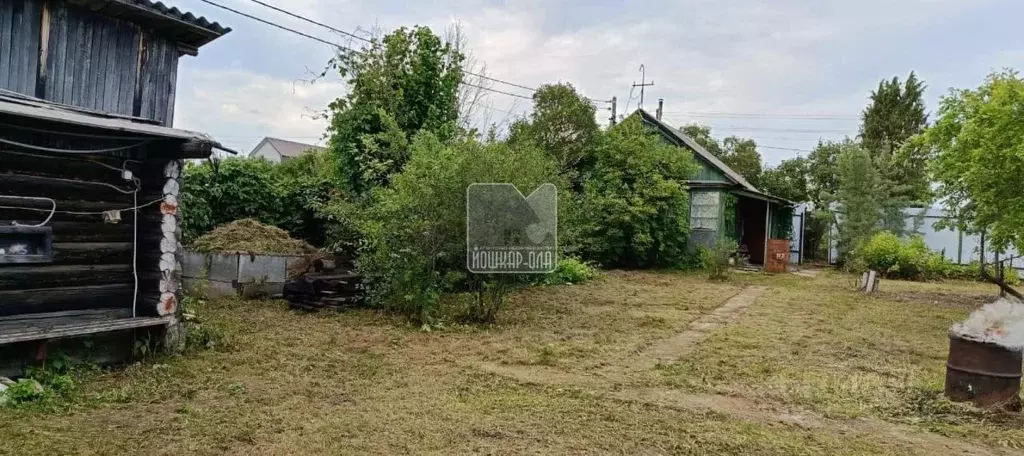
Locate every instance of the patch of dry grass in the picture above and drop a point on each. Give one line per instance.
(818, 344)
(365, 383)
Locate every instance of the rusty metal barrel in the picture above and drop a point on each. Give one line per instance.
(984, 373)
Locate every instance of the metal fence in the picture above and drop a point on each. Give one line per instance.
(955, 245)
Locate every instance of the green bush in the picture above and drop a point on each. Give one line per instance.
(413, 245)
(911, 259)
(634, 210)
(570, 271)
(285, 195)
(717, 259)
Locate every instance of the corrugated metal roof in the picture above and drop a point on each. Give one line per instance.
(182, 26)
(33, 108)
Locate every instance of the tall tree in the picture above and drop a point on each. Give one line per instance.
(896, 113)
(823, 170)
(859, 197)
(740, 154)
(788, 180)
(563, 123)
(978, 141)
(400, 84)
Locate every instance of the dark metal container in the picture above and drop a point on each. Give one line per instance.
(986, 374)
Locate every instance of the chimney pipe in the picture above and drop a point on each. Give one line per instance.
(661, 105)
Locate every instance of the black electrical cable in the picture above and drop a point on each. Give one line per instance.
(73, 151)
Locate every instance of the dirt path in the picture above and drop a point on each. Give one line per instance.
(671, 349)
(612, 381)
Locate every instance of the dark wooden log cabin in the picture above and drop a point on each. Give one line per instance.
(90, 168)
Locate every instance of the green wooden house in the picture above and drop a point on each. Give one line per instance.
(723, 203)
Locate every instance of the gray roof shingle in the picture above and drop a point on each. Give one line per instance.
(290, 149)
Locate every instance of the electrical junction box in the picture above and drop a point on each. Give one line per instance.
(26, 244)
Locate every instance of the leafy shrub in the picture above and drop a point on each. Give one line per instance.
(413, 245)
(285, 195)
(569, 271)
(718, 259)
(634, 210)
(911, 259)
(43, 385)
(200, 334)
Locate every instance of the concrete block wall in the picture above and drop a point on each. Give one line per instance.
(221, 274)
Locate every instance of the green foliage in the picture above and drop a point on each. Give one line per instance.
(200, 335)
(789, 180)
(45, 385)
(717, 265)
(285, 195)
(563, 124)
(414, 232)
(399, 85)
(740, 154)
(910, 259)
(978, 139)
(859, 197)
(237, 188)
(571, 271)
(823, 170)
(898, 259)
(635, 207)
(895, 114)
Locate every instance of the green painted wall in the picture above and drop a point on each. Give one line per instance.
(709, 173)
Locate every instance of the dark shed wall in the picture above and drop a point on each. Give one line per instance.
(92, 268)
(91, 61)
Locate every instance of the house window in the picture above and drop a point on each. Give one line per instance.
(704, 210)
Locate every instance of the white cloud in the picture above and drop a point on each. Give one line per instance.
(737, 56)
(240, 107)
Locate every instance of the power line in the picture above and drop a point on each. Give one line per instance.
(280, 10)
(367, 40)
(497, 91)
(783, 148)
(274, 24)
(752, 115)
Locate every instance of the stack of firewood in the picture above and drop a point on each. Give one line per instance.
(324, 286)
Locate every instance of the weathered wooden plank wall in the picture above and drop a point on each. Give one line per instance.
(19, 50)
(92, 268)
(88, 59)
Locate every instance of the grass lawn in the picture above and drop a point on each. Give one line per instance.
(810, 367)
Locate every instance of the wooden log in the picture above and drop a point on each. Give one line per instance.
(64, 188)
(92, 253)
(93, 168)
(14, 302)
(45, 276)
(29, 212)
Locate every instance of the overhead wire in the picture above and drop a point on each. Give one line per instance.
(36, 209)
(750, 115)
(367, 40)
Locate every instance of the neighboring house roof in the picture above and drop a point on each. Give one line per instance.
(17, 105)
(289, 149)
(181, 26)
(681, 139)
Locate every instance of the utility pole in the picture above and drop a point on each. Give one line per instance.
(642, 84)
(611, 120)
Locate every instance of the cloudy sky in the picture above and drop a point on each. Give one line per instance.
(784, 72)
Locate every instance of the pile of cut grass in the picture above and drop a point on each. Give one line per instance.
(250, 236)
